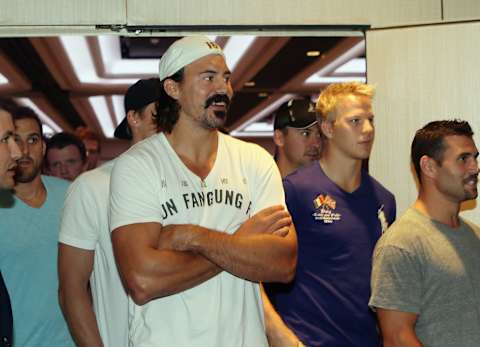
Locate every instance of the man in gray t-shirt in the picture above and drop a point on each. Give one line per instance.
(425, 279)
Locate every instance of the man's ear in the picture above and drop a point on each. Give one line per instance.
(278, 138)
(171, 88)
(428, 166)
(326, 127)
(133, 119)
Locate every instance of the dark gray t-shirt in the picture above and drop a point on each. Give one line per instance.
(424, 267)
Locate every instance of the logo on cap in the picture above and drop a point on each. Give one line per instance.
(212, 45)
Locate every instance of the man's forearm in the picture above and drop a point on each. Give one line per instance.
(150, 268)
(398, 328)
(78, 311)
(402, 341)
(257, 257)
(278, 333)
(180, 271)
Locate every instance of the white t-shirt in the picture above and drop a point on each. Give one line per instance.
(151, 184)
(84, 225)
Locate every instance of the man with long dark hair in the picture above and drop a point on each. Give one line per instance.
(188, 249)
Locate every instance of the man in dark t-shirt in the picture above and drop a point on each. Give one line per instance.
(339, 212)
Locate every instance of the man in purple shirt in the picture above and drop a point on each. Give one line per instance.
(339, 212)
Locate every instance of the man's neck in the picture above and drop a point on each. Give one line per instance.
(196, 146)
(32, 193)
(344, 172)
(435, 206)
(284, 166)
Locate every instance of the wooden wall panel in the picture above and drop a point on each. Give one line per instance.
(62, 12)
(422, 74)
(280, 12)
(455, 10)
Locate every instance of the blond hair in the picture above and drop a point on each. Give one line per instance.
(328, 99)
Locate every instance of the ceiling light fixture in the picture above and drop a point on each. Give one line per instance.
(313, 53)
(48, 125)
(340, 79)
(354, 66)
(344, 58)
(241, 131)
(235, 49)
(114, 64)
(118, 107)
(99, 105)
(80, 57)
(3, 79)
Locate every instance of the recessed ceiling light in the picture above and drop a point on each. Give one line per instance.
(3, 79)
(47, 123)
(313, 53)
(236, 47)
(262, 95)
(99, 105)
(249, 84)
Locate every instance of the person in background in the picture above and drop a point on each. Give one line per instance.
(296, 135)
(28, 247)
(340, 211)
(92, 145)
(66, 156)
(425, 278)
(9, 153)
(98, 315)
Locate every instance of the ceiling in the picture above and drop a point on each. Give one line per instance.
(74, 81)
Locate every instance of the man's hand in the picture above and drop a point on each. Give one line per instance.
(271, 220)
(248, 252)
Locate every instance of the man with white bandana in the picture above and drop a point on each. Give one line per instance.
(206, 222)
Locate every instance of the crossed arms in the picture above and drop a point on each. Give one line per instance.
(156, 261)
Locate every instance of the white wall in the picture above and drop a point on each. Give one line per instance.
(22, 17)
(422, 74)
(454, 10)
(275, 12)
(61, 12)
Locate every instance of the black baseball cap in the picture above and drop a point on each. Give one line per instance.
(296, 113)
(138, 95)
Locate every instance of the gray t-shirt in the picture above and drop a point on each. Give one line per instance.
(424, 267)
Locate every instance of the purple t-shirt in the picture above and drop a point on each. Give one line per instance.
(327, 303)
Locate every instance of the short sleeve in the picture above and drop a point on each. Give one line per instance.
(79, 223)
(267, 188)
(396, 280)
(133, 193)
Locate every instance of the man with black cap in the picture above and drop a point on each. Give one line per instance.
(85, 250)
(196, 284)
(296, 135)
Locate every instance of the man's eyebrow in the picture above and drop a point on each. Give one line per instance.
(468, 154)
(227, 72)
